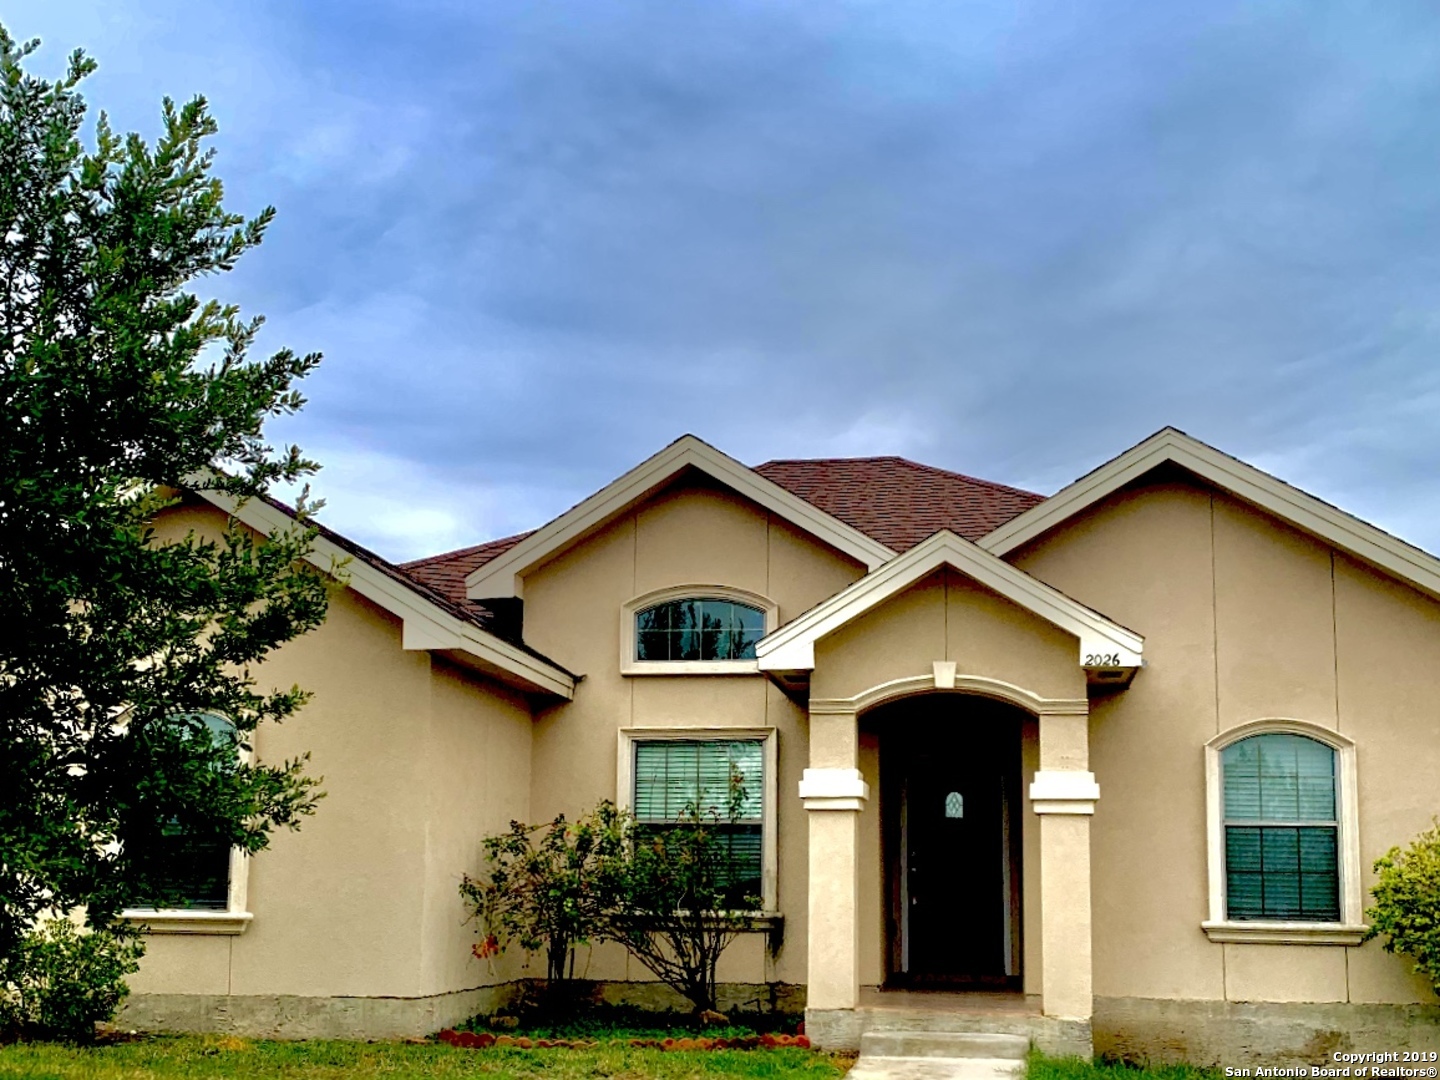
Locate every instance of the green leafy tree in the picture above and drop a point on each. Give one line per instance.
(544, 887)
(1407, 903)
(119, 386)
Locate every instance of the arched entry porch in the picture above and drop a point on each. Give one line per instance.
(947, 618)
(1035, 930)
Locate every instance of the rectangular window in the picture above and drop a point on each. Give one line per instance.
(1281, 829)
(195, 871)
(675, 777)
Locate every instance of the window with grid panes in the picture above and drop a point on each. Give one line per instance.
(674, 775)
(1282, 828)
(196, 869)
(698, 629)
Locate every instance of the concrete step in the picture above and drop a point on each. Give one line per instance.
(979, 1045)
(936, 1068)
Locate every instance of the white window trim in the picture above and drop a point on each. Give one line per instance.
(235, 919)
(630, 666)
(1351, 929)
(769, 848)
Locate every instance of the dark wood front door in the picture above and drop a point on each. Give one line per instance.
(954, 847)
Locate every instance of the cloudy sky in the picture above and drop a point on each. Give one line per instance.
(538, 241)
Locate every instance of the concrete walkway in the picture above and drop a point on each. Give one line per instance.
(940, 1055)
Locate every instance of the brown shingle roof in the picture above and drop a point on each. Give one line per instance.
(446, 573)
(891, 499)
(897, 501)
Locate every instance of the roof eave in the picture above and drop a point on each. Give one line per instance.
(425, 625)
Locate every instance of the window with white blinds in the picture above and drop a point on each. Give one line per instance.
(1282, 842)
(674, 777)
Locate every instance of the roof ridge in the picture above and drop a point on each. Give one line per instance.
(906, 461)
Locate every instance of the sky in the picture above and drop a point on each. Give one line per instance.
(538, 241)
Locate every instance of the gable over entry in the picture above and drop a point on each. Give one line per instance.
(1108, 653)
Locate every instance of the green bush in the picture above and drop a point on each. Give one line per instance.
(62, 980)
(544, 887)
(1407, 903)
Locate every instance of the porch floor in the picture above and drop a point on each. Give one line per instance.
(967, 1002)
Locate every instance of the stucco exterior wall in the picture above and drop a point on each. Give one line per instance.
(1244, 618)
(419, 760)
(693, 533)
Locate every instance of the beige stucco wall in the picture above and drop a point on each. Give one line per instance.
(692, 533)
(1244, 618)
(419, 760)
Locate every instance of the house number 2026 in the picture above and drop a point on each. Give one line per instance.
(1102, 659)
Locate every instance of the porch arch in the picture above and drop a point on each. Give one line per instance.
(944, 678)
(833, 791)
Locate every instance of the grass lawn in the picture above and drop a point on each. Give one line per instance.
(1043, 1068)
(193, 1058)
(228, 1058)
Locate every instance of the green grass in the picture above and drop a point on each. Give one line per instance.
(193, 1058)
(229, 1058)
(1048, 1068)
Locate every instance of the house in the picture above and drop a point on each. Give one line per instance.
(1109, 768)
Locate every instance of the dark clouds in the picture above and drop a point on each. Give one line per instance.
(538, 241)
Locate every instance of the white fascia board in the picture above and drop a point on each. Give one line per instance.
(424, 625)
(1247, 483)
(792, 647)
(501, 576)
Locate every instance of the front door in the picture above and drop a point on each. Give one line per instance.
(953, 786)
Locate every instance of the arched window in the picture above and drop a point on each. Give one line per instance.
(698, 628)
(1284, 855)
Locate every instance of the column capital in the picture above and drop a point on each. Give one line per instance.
(833, 789)
(1064, 791)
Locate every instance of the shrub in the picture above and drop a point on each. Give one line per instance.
(62, 980)
(1407, 903)
(672, 901)
(543, 888)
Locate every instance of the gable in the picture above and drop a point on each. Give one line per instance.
(503, 576)
(694, 532)
(1104, 646)
(1171, 447)
(946, 616)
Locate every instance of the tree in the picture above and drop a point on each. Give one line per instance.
(119, 386)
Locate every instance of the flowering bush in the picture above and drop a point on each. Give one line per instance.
(544, 887)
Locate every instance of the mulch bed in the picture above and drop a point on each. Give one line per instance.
(483, 1040)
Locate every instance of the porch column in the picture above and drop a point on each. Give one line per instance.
(1063, 794)
(834, 794)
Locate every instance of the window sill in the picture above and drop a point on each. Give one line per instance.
(183, 921)
(691, 667)
(1286, 933)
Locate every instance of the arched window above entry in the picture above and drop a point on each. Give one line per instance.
(694, 630)
(1284, 845)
